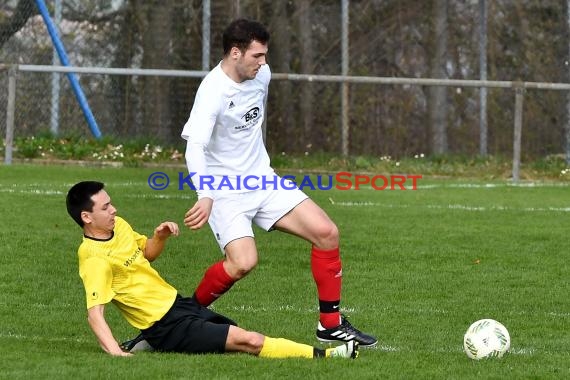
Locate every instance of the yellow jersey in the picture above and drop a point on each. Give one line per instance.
(116, 270)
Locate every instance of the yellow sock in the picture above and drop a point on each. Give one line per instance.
(278, 348)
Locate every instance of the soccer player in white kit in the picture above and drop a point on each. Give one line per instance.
(236, 185)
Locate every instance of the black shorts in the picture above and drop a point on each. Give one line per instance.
(189, 327)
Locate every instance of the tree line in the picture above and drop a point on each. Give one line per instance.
(527, 40)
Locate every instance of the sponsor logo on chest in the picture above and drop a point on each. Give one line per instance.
(249, 119)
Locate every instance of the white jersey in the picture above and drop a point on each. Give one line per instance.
(224, 134)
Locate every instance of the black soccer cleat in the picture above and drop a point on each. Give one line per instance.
(137, 344)
(345, 332)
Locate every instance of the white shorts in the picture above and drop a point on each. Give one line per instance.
(232, 214)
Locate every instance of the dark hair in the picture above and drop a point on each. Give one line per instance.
(241, 32)
(79, 199)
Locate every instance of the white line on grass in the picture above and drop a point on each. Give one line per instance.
(491, 185)
(32, 191)
(44, 192)
(445, 185)
(450, 207)
(381, 347)
(35, 338)
(562, 315)
(161, 196)
(419, 186)
(186, 196)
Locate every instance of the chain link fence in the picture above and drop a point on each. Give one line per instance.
(527, 41)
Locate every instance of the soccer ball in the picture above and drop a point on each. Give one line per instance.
(486, 338)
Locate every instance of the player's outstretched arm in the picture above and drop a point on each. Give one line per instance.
(97, 322)
(198, 215)
(155, 245)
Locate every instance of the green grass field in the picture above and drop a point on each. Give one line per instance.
(419, 267)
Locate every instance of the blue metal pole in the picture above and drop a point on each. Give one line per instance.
(55, 78)
(80, 96)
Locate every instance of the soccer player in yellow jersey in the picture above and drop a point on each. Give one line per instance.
(114, 264)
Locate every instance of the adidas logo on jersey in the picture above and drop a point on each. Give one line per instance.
(231, 105)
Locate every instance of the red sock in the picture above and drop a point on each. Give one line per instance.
(215, 282)
(327, 272)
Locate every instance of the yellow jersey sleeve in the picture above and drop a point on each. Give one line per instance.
(97, 277)
(140, 239)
